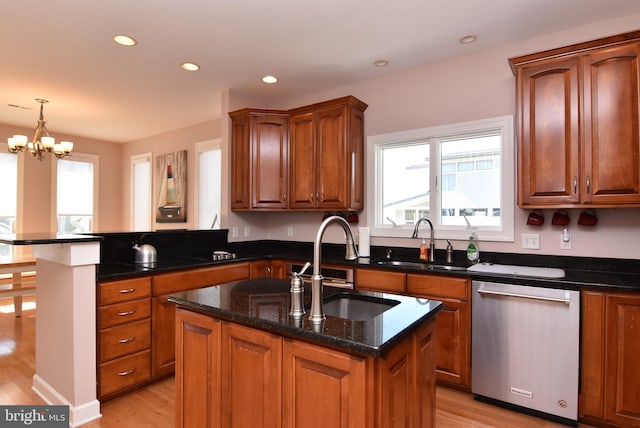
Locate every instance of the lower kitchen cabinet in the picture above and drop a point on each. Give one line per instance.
(232, 375)
(268, 268)
(123, 335)
(453, 324)
(610, 373)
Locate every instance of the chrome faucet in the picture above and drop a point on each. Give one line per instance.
(316, 315)
(432, 244)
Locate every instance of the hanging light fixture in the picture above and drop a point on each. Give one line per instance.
(41, 142)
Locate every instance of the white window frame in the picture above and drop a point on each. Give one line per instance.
(135, 159)
(79, 157)
(205, 146)
(4, 147)
(434, 135)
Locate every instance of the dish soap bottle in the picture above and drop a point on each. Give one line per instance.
(424, 251)
(473, 253)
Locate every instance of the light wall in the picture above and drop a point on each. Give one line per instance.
(468, 88)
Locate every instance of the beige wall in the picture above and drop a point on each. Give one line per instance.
(467, 88)
(34, 202)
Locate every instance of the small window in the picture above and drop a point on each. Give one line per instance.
(8, 196)
(209, 184)
(455, 171)
(76, 193)
(141, 192)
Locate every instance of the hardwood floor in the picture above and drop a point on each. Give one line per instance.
(153, 406)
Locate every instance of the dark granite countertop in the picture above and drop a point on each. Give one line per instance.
(264, 303)
(45, 238)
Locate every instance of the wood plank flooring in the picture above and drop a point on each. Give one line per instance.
(153, 406)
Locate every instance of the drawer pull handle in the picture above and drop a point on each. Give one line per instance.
(127, 290)
(127, 373)
(124, 314)
(130, 339)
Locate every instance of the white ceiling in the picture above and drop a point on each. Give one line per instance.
(63, 51)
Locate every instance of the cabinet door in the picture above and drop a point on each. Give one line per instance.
(592, 366)
(260, 269)
(269, 141)
(302, 161)
(356, 159)
(379, 280)
(548, 125)
(453, 324)
(198, 378)
(240, 163)
(333, 159)
(163, 342)
(251, 376)
(622, 389)
(316, 379)
(612, 126)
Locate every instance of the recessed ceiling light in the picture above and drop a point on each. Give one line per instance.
(380, 62)
(269, 79)
(123, 40)
(469, 38)
(190, 66)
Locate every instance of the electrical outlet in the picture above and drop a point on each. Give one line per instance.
(289, 231)
(234, 232)
(531, 241)
(565, 240)
(247, 231)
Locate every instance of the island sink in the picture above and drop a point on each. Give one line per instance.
(356, 307)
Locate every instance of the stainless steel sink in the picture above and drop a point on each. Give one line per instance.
(418, 265)
(356, 307)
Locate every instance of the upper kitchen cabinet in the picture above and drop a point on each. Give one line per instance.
(319, 154)
(327, 155)
(578, 124)
(259, 159)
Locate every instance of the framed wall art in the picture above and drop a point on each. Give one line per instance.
(171, 187)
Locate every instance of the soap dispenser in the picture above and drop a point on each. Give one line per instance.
(473, 252)
(449, 252)
(424, 250)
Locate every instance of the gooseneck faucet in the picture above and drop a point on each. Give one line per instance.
(432, 244)
(316, 315)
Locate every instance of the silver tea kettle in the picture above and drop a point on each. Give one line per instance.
(145, 254)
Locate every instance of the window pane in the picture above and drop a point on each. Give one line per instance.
(474, 190)
(405, 182)
(9, 180)
(74, 196)
(142, 195)
(209, 185)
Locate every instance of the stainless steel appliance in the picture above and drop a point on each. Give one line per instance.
(525, 348)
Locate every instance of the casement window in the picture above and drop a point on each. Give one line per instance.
(209, 184)
(141, 195)
(445, 173)
(75, 181)
(8, 196)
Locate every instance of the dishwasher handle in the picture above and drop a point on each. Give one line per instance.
(566, 300)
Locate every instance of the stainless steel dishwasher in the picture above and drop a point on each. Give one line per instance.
(525, 348)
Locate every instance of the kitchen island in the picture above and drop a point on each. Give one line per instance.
(242, 360)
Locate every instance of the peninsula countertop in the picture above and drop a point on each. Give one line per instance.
(264, 304)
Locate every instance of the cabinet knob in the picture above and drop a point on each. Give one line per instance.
(575, 184)
(127, 340)
(588, 184)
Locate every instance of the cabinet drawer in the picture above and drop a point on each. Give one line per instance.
(124, 372)
(121, 291)
(439, 286)
(196, 278)
(393, 282)
(121, 313)
(125, 339)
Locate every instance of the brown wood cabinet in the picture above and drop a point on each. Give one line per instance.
(308, 158)
(232, 375)
(163, 312)
(268, 268)
(259, 158)
(610, 391)
(578, 124)
(124, 335)
(453, 322)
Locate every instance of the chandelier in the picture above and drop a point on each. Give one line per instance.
(41, 143)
